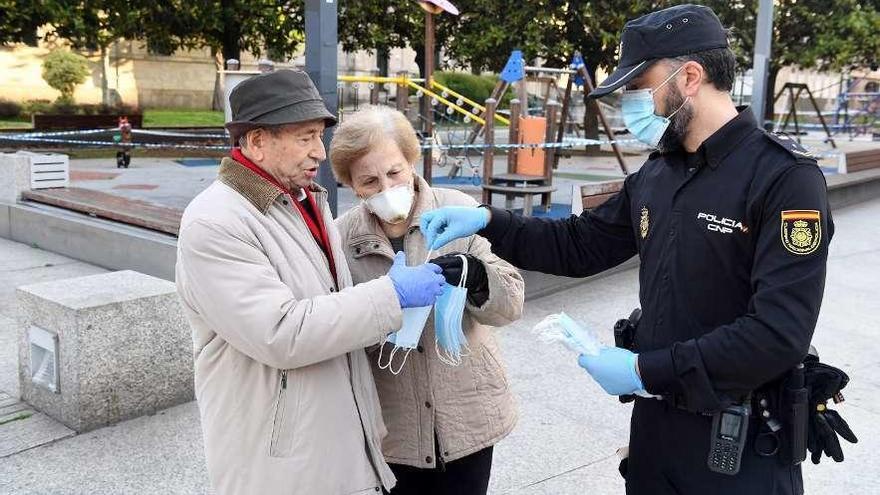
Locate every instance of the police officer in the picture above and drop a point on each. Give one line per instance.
(732, 228)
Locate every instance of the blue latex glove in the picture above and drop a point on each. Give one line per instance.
(416, 286)
(444, 225)
(614, 369)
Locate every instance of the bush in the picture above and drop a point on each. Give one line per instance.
(31, 107)
(477, 88)
(63, 71)
(9, 109)
(63, 107)
(121, 109)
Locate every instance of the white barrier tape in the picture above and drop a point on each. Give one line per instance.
(80, 132)
(86, 132)
(113, 144)
(568, 143)
(179, 134)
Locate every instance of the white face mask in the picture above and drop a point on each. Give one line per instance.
(392, 205)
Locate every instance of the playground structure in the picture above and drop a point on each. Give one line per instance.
(536, 134)
(540, 127)
(856, 113)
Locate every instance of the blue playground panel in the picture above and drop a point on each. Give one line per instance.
(443, 180)
(198, 162)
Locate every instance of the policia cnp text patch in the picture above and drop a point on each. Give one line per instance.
(801, 231)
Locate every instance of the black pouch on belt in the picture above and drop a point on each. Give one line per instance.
(795, 417)
(625, 336)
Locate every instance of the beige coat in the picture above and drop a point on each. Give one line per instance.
(287, 400)
(469, 406)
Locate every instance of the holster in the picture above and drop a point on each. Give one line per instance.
(789, 403)
(795, 417)
(625, 336)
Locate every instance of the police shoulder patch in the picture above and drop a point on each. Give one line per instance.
(801, 231)
(791, 145)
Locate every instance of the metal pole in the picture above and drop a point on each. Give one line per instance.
(588, 87)
(513, 134)
(563, 119)
(489, 150)
(761, 63)
(427, 109)
(321, 43)
(549, 135)
(548, 70)
(821, 118)
(553, 108)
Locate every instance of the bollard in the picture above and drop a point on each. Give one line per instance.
(374, 88)
(402, 95)
(265, 65)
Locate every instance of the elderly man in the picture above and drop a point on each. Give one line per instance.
(287, 400)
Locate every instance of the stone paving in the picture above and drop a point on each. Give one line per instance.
(568, 431)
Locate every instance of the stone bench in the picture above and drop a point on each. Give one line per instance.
(112, 207)
(104, 348)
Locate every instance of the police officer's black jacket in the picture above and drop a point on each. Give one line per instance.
(733, 241)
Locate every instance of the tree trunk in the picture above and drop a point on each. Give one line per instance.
(231, 36)
(382, 56)
(217, 101)
(591, 112)
(105, 89)
(769, 110)
(230, 49)
(420, 58)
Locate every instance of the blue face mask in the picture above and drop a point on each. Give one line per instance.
(406, 338)
(638, 110)
(451, 343)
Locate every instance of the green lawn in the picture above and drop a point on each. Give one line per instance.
(7, 123)
(173, 117)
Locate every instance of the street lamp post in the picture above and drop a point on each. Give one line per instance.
(763, 39)
(321, 42)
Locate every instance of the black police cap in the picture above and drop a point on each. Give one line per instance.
(667, 33)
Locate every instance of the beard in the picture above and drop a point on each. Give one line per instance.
(678, 124)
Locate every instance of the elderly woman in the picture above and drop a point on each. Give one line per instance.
(443, 418)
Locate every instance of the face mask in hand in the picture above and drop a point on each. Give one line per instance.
(407, 337)
(561, 328)
(638, 110)
(448, 313)
(392, 205)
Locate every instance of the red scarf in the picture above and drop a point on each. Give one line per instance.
(312, 218)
